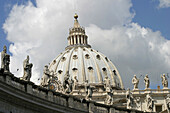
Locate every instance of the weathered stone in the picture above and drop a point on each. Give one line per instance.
(91, 107)
(50, 96)
(8, 80)
(42, 94)
(29, 88)
(70, 102)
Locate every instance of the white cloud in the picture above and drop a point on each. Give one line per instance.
(42, 31)
(164, 3)
(134, 50)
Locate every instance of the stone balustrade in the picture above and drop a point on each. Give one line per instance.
(19, 96)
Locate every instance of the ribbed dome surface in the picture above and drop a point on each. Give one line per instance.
(80, 60)
(86, 64)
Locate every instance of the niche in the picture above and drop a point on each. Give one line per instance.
(104, 70)
(75, 57)
(114, 71)
(63, 59)
(60, 71)
(87, 56)
(54, 61)
(98, 57)
(75, 71)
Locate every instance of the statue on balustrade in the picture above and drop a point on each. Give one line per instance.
(60, 86)
(46, 77)
(130, 99)
(27, 69)
(164, 81)
(107, 85)
(88, 90)
(109, 98)
(5, 60)
(135, 82)
(67, 83)
(75, 83)
(168, 101)
(146, 81)
(149, 103)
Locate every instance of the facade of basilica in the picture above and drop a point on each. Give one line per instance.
(80, 79)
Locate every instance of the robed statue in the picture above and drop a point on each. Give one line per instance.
(88, 90)
(149, 103)
(66, 83)
(146, 81)
(27, 69)
(168, 101)
(5, 60)
(164, 81)
(130, 99)
(46, 77)
(135, 82)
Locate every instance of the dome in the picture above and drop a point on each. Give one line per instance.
(80, 60)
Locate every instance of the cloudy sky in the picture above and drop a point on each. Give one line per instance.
(134, 34)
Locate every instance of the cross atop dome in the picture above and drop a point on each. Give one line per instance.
(77, 36)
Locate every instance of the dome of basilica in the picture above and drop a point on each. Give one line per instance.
(87, 64)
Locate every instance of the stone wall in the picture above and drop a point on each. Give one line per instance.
(18, 96)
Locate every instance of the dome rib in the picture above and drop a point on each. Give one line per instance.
(59, 60)
(83, 66)
(68, 64)
(100, 79)
(108, 67)
(114, 67)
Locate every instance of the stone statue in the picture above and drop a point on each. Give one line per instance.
(88, 90)
(66, 83)
(75, 83)
(107, 84)
(5, 60)
(60, 86)
(168, 101)
(164, 81)
(149, 102)
(109, 98)
(27, 69)
(135, 82)
(146, 81)
(46, 77)
(130, 99)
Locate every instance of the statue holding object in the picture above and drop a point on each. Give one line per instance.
(135, 82)
(5, 60)
(149, 103)
(146, 81)
(46, 77)
(27, 69)
(164, 81)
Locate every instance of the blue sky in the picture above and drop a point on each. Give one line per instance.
(5, 8)
(149, 15)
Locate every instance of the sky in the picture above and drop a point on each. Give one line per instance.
(134, 34)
